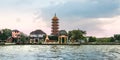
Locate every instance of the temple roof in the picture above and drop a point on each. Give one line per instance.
(15, 31)
(55, 18)
(37, 32)
(62, 32)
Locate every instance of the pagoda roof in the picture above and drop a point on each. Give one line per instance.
(55, 18)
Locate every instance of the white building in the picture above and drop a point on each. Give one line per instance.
(37, 36)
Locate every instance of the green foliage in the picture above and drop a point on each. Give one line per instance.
(117, 37)
(103, 40)
(53, 38)
(69, 35)
(23, 38)
(92, 39)
(112, 39)
(44, 37)
(76, 34)
(5, 34)
(40, 42)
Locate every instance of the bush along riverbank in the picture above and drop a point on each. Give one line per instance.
(2, 43)
(101, 43)
(88, 43)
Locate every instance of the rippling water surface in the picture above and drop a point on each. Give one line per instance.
(60, 52)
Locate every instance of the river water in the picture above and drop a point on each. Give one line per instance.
(60, 52)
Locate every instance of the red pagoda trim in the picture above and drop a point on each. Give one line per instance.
(55, 25)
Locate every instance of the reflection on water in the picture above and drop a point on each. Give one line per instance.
(60, 52)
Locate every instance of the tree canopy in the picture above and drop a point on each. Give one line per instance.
(92, 39)
(76, 34)
(117, 37)
(5, 33)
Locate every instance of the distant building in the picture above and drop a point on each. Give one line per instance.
(37, 36)
(16, 34)
(15, 37)
(62, 37)
(55, 26)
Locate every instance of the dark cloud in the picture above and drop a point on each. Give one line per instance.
(83, 15)
(88, 9)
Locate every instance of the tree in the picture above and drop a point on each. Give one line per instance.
(69, 35)
(6, 33)
(76, 35)
(92, 39)
(105, 39)
(53, 38)
(23, 38)
(117, 37)
(112, 39)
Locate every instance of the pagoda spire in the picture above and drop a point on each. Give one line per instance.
(55, 17)
(55, 14)
(55, 25)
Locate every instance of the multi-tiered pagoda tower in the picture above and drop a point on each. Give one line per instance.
(55, 25)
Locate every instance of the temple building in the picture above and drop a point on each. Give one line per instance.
(62, 37)
(55, 26)
(37, 36)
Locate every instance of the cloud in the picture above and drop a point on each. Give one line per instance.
(104, 27)
(99, 27)
(113, 25)
(26, 4)
(86, 9)
(88, 15)
(97, 17)
(22, 21)
(91, 26)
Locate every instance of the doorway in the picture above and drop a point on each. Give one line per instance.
(63, 40)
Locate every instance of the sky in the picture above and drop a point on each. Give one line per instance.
(98, 18)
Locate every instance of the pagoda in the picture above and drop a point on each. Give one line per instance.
(55, 26)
